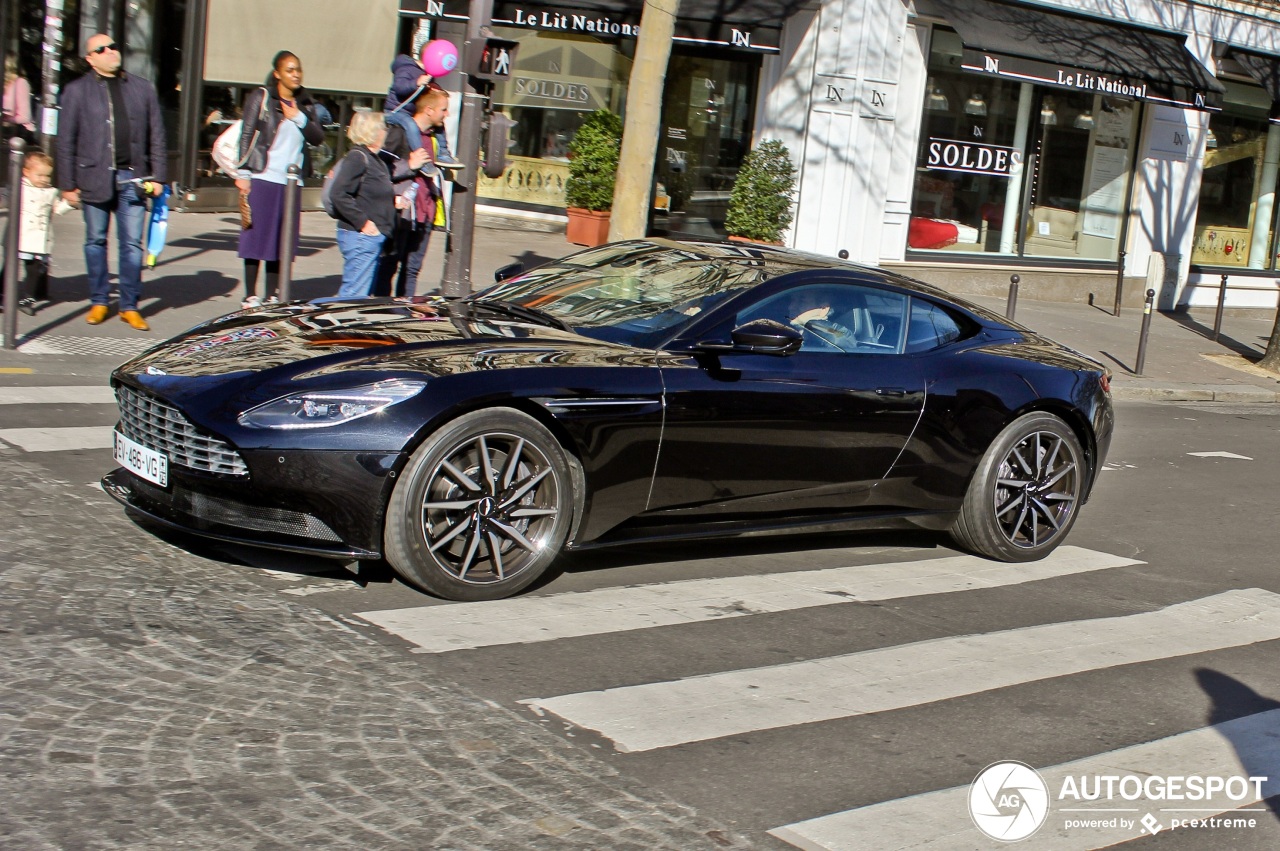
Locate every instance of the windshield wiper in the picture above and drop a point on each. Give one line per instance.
(519, 311)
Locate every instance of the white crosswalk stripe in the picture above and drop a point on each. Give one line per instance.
(939, 821)
(96, 394)
(665, 714)
(436, 629)
(59, 436)
(58, 439)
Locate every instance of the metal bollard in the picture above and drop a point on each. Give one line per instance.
(288, 229)
(1222, 302)
(17, 149)
(1011, 306)
(1119, 285)
(843, 254)
(1146, 329)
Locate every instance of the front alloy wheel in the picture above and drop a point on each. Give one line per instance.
(483, 508)
(1026, 493)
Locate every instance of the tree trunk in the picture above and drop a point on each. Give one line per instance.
(644, 113)
(1271, 360)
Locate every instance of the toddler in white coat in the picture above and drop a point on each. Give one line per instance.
(40, 200)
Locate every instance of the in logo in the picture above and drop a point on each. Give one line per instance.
(1008, 801)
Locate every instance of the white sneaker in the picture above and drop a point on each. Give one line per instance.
(250, 303)
(270, 300)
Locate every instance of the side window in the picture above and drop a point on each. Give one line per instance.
(837, 317)
(886, 313)
(930, 327)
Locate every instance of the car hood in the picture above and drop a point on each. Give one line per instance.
(304, 341)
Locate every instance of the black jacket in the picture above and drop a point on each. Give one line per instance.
(263, 123)
(362, 192)
(86, 137)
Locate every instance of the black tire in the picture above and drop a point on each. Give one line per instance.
(482, 509)
(1026, 493)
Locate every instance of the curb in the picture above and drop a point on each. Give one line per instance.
(1197, 393)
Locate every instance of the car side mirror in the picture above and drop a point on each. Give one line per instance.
(759, 337)
(508, 271)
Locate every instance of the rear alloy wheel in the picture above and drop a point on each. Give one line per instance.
(1026, 493)
(482, 508)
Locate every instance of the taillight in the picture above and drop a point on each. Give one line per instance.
(1105, 381)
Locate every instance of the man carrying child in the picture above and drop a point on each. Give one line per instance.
(408, 80)
(419, 199)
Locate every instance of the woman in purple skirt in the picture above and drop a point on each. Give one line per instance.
(279, 121)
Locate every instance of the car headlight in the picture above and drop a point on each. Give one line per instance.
(322, 408)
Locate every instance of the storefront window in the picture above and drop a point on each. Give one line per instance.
(1081, 174)
(1238, 185)
(561, 78)
(1016, 169)
(707, 114)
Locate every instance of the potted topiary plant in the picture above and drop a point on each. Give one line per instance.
(763, 192)
(593, 169)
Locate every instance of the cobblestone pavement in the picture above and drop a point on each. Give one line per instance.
(151, 699)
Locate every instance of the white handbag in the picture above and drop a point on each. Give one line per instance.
(226, 148)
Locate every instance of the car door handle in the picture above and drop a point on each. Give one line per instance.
(891, 391)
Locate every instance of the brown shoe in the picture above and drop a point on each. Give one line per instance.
(97, 314)
(135, 320)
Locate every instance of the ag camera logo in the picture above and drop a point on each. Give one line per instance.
(1008, 801)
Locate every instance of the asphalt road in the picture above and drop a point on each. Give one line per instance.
(840, 723)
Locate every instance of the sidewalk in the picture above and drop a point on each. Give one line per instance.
(199, 277)
(1183, 362)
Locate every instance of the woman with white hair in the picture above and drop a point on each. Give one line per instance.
(364, 201)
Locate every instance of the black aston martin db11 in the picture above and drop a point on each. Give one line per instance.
(637, 391)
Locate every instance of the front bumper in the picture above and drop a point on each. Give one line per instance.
(329, 504)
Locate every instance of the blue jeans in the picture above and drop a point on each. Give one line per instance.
(402, 259)
(131, 211)
(359, 262)
(404, 120)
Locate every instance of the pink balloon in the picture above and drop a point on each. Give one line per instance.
(439, 57)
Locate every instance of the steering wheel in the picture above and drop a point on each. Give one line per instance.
(832, 333)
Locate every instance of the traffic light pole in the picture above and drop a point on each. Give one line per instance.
(462, 211)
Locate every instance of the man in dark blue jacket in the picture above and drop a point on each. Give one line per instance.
(110, 137)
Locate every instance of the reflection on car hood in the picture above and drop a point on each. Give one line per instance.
(384, 334)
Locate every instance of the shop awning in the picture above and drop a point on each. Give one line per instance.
(243, 36)
(752, 12)
(1083, 54)
(750, 25)
(1263, 68)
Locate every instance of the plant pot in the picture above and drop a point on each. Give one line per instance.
(587, 227)
(733, 238)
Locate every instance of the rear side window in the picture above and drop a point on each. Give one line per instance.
(930, 326)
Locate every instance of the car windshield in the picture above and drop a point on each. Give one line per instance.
(638, 293)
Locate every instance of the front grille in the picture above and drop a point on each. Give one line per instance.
(162, 427)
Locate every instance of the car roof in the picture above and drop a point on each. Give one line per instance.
(779, 261)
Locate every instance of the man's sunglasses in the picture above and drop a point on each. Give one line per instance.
(105, 47)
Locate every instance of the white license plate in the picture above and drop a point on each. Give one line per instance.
(141, 461)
